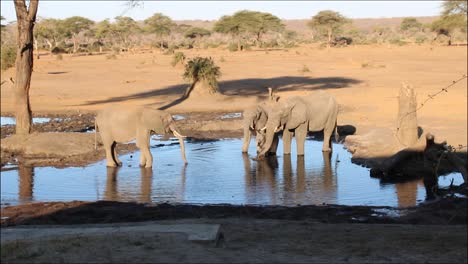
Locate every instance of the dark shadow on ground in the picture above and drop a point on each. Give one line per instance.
(450, 210)
(244, 87)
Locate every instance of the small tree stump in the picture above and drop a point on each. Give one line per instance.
(407, 122)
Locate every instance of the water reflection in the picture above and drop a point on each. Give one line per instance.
(114, 192)
(216, 173)
(297, 184)
(407, 193)
(26, 183)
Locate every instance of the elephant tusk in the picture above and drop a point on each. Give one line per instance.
(251, 128)
(263, 129)
(177, 134)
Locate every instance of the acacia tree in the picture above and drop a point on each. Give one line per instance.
(265, 23)
(50, 31)
(454, 16)
(160, 25)
(73, 26)
(246, 23)
(103, 31)
(123, 29)
(328, 21)
(196, 33)
(25, 19)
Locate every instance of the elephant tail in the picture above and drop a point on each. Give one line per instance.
(95, 134)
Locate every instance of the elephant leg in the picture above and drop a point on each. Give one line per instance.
(116, 158)
(327, 132)
(301, 134)
(142, 142)
(108, 144)
(287, 136)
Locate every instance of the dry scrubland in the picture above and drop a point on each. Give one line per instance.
(365, 80)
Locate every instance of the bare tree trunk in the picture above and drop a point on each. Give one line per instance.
(36, 47)
(50, 46)
(407, 122)
(329, 37)
(24, 63)
(75, 43)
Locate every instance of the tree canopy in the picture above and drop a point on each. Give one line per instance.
(454, 7)
(76, 24)
(248, 22)
(196, 32)
(453, 16)
(159, 24)
(410, 23)
(327, 21)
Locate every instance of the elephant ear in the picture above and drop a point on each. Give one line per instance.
(294, 114)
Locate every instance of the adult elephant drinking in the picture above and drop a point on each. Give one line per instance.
(298, 115)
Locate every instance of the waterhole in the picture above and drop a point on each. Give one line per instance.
(217, 173)
(12, 121)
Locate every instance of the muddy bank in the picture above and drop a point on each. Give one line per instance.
(447, 211)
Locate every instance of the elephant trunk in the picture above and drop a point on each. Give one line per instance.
(181, 141)
(246, 140)
(268, 141)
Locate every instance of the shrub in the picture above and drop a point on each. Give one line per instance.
(112, 56)
(8, 56)
(305, 69)
(202, 69)
(232, 47)
(178, 57)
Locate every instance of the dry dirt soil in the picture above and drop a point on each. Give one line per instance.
(364, 79)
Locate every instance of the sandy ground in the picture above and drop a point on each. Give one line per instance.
(364, 79)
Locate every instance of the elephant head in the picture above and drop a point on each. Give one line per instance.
(299, 115)
(286, 116)
(162, 123)
(255, 119)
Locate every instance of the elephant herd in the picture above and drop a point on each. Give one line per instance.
(294, 116)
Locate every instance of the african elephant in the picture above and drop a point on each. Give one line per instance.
(254, 119)
(119, 125)
(299, 115)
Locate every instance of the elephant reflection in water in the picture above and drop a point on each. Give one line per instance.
(26, 183)
(320, 184)
(146, 185)
(260, 180)
(112, 194)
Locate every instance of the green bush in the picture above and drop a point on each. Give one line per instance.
(179, 57)
(305, 69)
(112, 56)
(8, 56)
(232, 47)
(397, 41)
(200, 68)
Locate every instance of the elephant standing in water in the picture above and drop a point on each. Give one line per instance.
(299, 115)
(119, 125)
(254, 119)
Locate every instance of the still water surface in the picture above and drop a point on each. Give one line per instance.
(217, 173)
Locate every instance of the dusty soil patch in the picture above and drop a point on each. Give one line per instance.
(259, 241)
